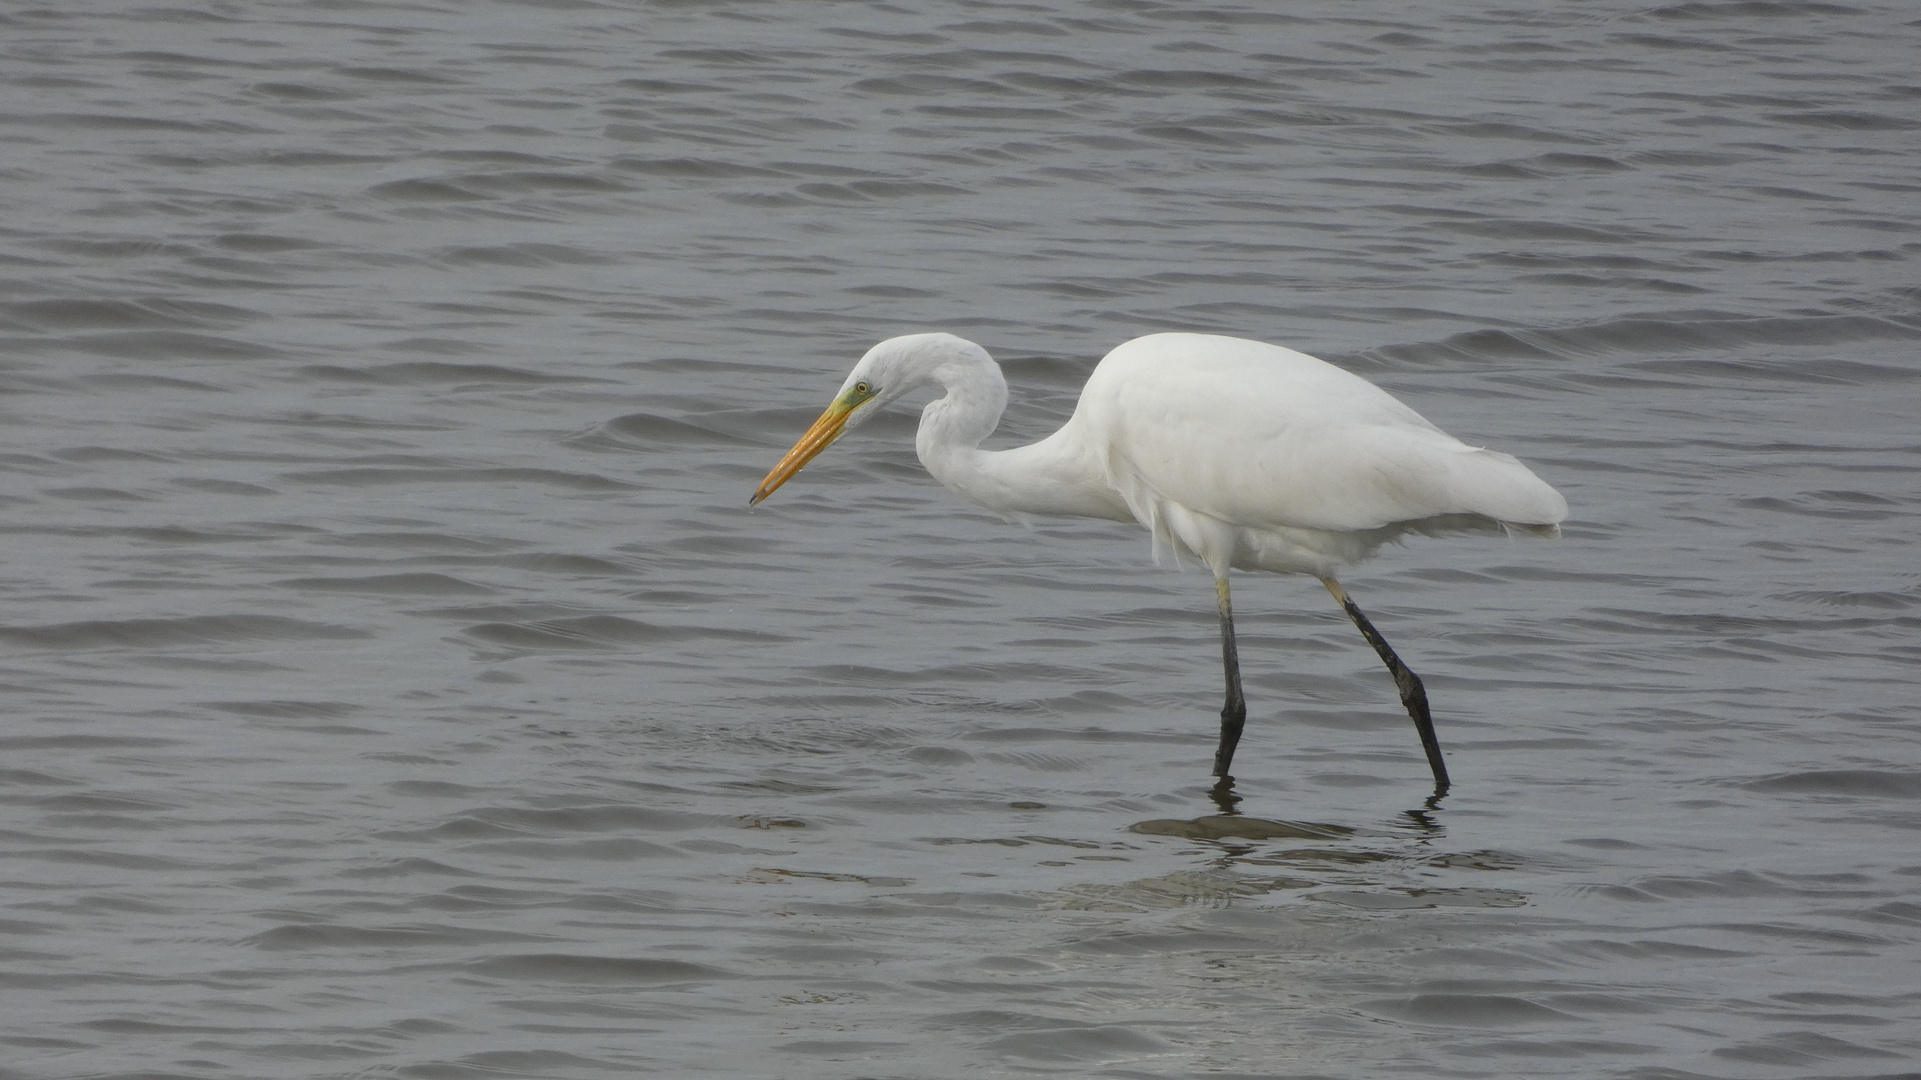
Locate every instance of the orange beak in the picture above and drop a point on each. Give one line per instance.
(818, 438)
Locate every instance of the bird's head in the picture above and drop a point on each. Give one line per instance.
(895, 367)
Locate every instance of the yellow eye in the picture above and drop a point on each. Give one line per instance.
(862, 388)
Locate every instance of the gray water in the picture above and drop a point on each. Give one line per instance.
(396, 683)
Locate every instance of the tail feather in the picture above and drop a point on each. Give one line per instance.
(1495, 485)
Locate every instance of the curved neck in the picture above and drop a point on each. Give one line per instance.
(1057, 475)
(953, 425)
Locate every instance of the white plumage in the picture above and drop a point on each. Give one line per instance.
(1237, 453)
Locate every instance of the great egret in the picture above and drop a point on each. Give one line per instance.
(1240, 454)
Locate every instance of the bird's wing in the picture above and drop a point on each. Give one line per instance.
(1259, 436)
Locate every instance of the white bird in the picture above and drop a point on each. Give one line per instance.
(1239, 454)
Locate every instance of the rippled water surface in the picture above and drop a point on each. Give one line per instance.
(396, 683)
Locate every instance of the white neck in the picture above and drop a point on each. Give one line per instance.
(1054, 476)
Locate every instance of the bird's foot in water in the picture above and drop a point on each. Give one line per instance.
(1223, 795)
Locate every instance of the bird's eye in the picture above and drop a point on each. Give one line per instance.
(862, 388)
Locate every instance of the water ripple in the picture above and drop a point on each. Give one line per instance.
(398, 684)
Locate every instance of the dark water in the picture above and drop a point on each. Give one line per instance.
(396, 684)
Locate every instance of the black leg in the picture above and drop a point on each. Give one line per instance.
(1234, 712)
(1413, 694)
